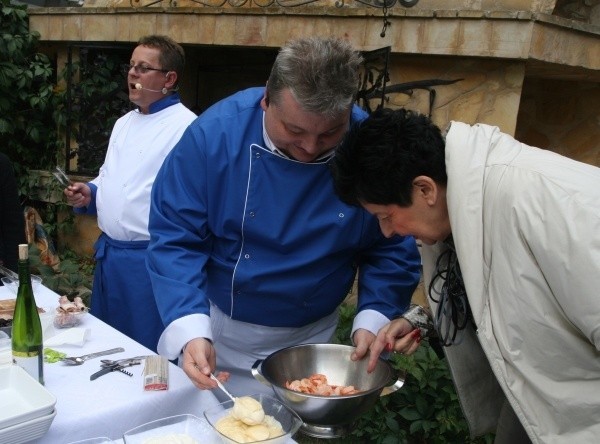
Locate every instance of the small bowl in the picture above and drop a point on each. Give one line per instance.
(13, 284)
(189, 425)
(68, 319)
(289, 420)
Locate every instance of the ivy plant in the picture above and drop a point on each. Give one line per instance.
(27, 96)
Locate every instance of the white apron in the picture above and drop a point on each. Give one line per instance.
(237, 357)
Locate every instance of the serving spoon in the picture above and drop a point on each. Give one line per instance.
(78, 360)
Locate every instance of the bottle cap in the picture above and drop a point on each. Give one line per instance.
(23, 252)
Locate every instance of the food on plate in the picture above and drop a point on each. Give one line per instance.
(51, 356)
(247, 422)
(248, 410)
(68, 313)
(173, 438)
(7, 308)
(316, 384)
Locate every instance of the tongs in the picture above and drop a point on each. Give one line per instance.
(61, 176)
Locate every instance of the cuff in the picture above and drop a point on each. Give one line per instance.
(370, 320)
(180, 332)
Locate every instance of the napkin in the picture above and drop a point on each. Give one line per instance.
(69, 336)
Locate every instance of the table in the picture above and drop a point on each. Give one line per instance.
(113, 403)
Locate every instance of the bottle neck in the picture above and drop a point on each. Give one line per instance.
(24, 274)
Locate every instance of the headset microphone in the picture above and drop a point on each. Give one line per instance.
(164, 90)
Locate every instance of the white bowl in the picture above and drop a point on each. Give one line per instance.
(99, 440)
(13, 284)
(157, 431)
(27, 431)
(289, 420)
(22, 398)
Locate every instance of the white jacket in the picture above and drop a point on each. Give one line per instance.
(526, 226)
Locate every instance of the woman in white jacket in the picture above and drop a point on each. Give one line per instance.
(511, 259)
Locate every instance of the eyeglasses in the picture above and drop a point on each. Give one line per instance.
(142, 69)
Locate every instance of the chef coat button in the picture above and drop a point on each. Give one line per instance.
(341, 215)
(247, 256)
(257, 155)
(238, 292)
(251, 214)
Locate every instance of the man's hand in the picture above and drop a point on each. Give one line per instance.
(362, 340)
(78, 195)
(399, 336)
(199, 361)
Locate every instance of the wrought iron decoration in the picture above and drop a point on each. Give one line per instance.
(281, 3)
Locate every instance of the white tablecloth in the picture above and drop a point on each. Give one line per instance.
(113, 403)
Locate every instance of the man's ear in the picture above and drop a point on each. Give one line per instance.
(425, 188)
(264, 103)
(171, 79)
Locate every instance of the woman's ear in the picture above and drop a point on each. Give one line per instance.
(424, 187)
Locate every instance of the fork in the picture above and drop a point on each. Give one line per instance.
(62, 177)
(78, 360)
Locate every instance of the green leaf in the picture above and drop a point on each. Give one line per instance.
(409, 413)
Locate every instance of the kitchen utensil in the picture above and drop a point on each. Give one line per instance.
(326, 416)
(289, 420)
(61, 176)
(78, 360)
(108, 368)
(222, 387)
(109, 362)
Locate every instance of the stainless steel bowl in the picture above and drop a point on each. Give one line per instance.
(326, 416)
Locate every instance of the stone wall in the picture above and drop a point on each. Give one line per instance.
(561, 116)
(534, 75)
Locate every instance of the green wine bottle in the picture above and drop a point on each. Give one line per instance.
(27, 343)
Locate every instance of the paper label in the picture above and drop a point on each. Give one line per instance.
(32, 365)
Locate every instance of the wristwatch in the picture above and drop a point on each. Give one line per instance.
(419, 318)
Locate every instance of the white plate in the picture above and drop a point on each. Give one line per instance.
(27, 431)
(22, 398)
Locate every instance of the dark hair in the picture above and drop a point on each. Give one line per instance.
(382, 155)
(172, 56)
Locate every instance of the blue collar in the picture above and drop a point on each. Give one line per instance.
(165, 102)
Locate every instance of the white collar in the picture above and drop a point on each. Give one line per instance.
(280, 153)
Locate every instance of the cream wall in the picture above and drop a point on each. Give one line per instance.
(534, 75)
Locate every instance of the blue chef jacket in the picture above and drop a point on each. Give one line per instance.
(264, 237)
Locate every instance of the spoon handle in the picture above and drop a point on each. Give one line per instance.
(102, 353)
(222, 387)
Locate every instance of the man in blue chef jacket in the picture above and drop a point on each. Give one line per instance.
(250, 249)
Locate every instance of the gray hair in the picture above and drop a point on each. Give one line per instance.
(321, 74)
